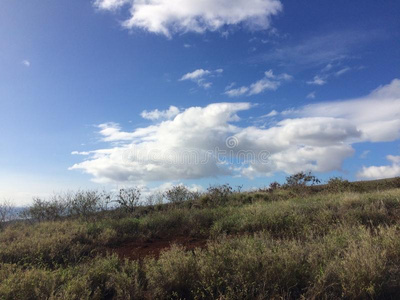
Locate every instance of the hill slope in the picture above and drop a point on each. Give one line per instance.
(316, 242)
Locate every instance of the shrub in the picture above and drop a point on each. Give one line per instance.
(30, 284)
(50, 210)
(299, 183)
(301, 179)
(46, 244)
(104, 278)
(179, 194)
(86, 203)
(218, 195)
(58, 206)
(274, 186)
(338, 185)
(6, 212)
(155, 199)
(129, 199)
(173, 274)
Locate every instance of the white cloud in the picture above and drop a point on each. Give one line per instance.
(110, 4)
(342, 71)
(376, 115)
(269, 82)
(326, 73)
(200, 76)
(26, 63)
(316, 137)
(195, 75)
(168, 17)
(272, 113)
(230, 86)
(237, 92)
(311, 95)
(380, 172)
(394, 159)
(317, 80)
(364, 154)
(80, 153)
(160, 114)
(327, 68)
(263, 85)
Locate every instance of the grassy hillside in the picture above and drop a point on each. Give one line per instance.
(338, 240)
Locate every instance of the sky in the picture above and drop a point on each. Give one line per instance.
(111, 93)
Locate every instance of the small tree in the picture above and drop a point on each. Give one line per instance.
(128, 199)
(219, 194)
(50, 210)
(301, 179)
(338, 185)
(156, 198)
(179, 194)
(274, 186)
(85, 203)
(6, 211)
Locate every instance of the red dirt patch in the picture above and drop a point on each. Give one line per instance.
(138, 250)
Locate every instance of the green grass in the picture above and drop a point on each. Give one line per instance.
(261, 245)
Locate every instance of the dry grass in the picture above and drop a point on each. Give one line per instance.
(337, 245)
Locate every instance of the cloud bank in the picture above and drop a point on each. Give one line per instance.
(380, 172)
(168, 17)
(316, 137)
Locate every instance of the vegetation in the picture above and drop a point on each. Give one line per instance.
(298, 240)
(6, 211)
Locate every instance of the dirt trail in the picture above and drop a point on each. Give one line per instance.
(138, 250)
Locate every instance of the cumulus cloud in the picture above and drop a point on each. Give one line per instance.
(156, 114)
(380, 172)
(168, 17)
(316, 137)
(200, 77)
(269, 82)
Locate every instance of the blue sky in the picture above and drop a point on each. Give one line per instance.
(84, 84)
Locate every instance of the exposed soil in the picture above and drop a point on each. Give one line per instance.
(138, 250)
